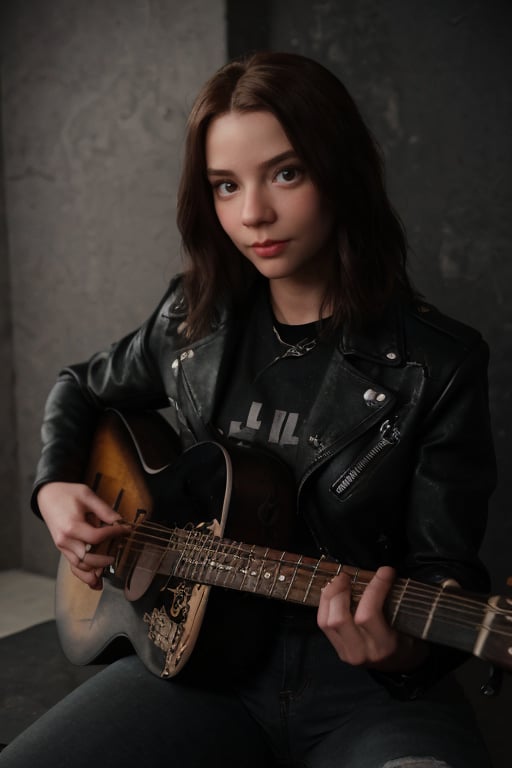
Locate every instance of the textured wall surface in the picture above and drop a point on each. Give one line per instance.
(95, 99)
(434, 81)
(10, 524)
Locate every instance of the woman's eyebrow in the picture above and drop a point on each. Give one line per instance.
(281, 157)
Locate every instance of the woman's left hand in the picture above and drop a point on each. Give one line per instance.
(364, 636)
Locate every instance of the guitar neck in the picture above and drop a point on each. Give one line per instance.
(421, 610)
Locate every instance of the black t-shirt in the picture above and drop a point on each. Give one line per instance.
(275, 376)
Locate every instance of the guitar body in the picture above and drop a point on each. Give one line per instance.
(188, 515)
(135, 466)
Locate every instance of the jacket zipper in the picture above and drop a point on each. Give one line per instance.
(389, 436)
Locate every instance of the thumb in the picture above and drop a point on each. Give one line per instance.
(100, 509)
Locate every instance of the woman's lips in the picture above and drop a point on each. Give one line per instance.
(269, 248)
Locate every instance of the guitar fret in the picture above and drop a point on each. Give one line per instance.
(293, 578)
(216, 552)
(431, 613)
(191, 559)
(486, 627)
(278, 576)
(397, 600)
(231, 570)
(245, 570)
(196, 548)
(203, 552)
(227, 567)
(181, 563)
(271, 568)
(262, 565)
(311, 580)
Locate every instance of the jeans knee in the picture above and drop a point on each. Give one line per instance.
(416, 762)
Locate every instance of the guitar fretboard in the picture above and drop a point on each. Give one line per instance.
(431, 612)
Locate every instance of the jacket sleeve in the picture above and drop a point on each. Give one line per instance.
(454, 475)
(124, 376)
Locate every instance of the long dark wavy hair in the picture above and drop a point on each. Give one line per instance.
(341, 156)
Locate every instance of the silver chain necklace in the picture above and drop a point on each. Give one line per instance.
(289, 350)
(294, 350)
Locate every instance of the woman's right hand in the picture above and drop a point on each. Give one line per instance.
(78, 520)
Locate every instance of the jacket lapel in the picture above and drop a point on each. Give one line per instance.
(349, 402)
(347, 405)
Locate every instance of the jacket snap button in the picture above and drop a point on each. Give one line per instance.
(371, 396)
(391, 355)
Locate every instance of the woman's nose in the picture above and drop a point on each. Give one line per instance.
(257, 208)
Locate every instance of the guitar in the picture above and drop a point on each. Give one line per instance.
(179, 508)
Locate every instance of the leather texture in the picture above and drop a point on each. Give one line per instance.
(398, 464)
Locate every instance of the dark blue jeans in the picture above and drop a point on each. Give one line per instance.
(303, 708)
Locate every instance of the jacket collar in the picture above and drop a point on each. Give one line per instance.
(381, 342)
(206, 363)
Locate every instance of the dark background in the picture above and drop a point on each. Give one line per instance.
(434, 82)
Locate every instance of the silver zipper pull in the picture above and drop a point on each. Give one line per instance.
(389, 432)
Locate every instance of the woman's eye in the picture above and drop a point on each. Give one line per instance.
(288, 175)
(225, 188)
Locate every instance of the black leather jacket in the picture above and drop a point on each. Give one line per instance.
(398, 464)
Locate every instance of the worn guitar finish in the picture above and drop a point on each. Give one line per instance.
(156, 593)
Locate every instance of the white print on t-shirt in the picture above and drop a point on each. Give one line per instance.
(281, 430)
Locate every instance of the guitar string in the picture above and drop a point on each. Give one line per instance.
(417, 596)
(235, 548)
(414, 609)
(329, 566)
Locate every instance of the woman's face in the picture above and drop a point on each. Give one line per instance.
(265, 199)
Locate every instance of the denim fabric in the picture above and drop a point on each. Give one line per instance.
(321, 713)
(125, 717)
(303, 709)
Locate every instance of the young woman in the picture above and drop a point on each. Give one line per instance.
(295, 331)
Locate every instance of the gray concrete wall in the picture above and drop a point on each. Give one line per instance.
(95, 99)
(10, 524)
